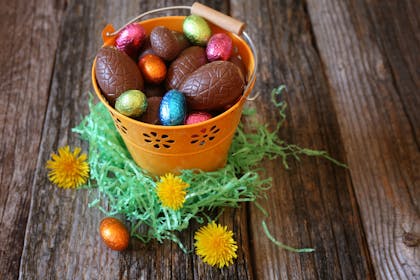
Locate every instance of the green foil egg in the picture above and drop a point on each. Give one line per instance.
(131, 103)
(196, 30)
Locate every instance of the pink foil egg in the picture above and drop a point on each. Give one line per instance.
(130, 39)
(219, 47)
(197, 117)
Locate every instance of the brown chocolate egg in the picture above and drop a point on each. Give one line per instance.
(238, 62)
(116, 73)
(154, 90)
(152, 113)
(114, 234)
(183, 42)
(213, 86)
(146, 47)
(166, 43)
(153, 68)
(187, 62)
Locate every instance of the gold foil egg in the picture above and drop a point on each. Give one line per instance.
(196, 30)
(131, 103)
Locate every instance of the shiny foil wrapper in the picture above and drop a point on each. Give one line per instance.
(130, 39)
(173, 108)
(219, 47)
(197, 117)
(196, 30)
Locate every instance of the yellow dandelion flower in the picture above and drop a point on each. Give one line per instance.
(215, 245)
(171, 191)
(67, 169)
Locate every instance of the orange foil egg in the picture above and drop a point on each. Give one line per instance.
(153, 68)
(114, 234)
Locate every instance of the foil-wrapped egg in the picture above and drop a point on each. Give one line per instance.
(196, 30)
(237, 60)
(114, 234)
(130, 39)
(219, 47)
(173, 108)
(197, 117)
(131, 103)
(153, 68)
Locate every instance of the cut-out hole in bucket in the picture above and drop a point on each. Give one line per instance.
(158, 141)
(204, 135)
(119, 125)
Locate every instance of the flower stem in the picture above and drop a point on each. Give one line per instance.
(281, 245)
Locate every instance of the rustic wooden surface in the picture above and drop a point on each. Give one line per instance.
(352, 71)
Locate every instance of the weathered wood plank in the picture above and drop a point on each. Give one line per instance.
(352, 77)
(370, 52)
(62, 240)
(312, 204)
(29, 33)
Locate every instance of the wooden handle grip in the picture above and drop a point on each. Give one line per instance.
(224, 21)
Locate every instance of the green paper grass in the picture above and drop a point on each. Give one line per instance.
(130, 191)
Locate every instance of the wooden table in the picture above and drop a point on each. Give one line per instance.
(352, 71)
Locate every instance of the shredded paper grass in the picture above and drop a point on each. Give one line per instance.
(130, 192)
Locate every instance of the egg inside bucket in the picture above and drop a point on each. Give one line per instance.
(161, 149)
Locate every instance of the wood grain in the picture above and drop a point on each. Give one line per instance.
(351, 71)
(372, 71)
(27, 59)
(312, 204)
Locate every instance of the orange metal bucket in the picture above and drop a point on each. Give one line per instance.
(162, 149)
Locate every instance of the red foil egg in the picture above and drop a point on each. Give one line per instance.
(219, 47)
(197, 117)
(130, 39)
(153, 68)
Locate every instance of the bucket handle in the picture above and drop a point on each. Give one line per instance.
(224, 21)
(111, 34)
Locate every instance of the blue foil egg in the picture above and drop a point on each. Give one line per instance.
(173, 108)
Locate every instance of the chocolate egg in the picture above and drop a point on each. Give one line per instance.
(173, 108)
(131, 103)
(130, 39)
(152, 113)
(153, 68)
(183, 42)
(219, 47)
(196, 30)
(114, 234)
(213, 86)
(146, 47)
(154, 90)
(116, 73)
(166, 43)
(187, 62)
(241, 65)
(197, 117)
